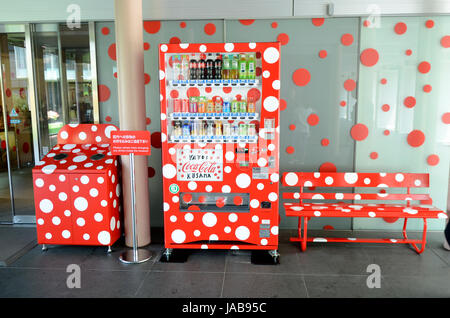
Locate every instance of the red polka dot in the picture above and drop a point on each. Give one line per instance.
(347, 39)
(247, 22)
(105, 31)
(174, 93)
(115, 74)
(386, 132)
(151, 172)
(317, 21)
(152, 27)
(408, 52)
(220, 202)
(108, 118)
(146, 78)
(194, 207)
(429, 24)
(283, 38)
(258, 71)
(383, 81)
(146, 46)
(416, 138)
(446, 118)
(427, 88)
(369, 57)
(8, 92)
(3, 144)
(210, 28)
(400, 28)
(390, 220)
(148, 121)
(445, 41)
(325, 142)
(343, 103)
(208, 89)
(174, 40)
(103, 93)
(187, 197)
(409, 102)
(424, 67)
(385, 107)
(433, 160)
(254, 93)
(237, 200)
(292, 127)
(155, 139)
(182, 25)
(327, 167)
(226, 90)
(258, 55)
(374, 155)
(349, 85)
(283, 104)
(313, 119)
(359, 132)
(274, 25)
(202, 199)
(366, 23)
(192, 91)
(301, 77)
(26, 147)
(323, 54)
(112, 52)
(290, 150)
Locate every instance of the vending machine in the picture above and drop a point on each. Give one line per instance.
(220, 145)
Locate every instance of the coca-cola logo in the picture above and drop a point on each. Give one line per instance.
(204, 167)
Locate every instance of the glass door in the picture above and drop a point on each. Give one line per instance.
(16, 136)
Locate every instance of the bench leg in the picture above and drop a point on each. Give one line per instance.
(424, 236)
(305, 234)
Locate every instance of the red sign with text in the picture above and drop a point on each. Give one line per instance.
(124, 142)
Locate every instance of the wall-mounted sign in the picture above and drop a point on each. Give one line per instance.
(125, 142)
(199, 164)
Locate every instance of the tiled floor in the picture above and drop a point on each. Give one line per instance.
(324, 270)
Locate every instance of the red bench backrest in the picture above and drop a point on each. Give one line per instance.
(380, 181)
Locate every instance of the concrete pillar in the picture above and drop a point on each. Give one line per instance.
(131, 90)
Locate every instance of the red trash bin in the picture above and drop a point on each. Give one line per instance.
(77, 189)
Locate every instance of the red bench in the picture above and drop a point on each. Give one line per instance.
(369, 205)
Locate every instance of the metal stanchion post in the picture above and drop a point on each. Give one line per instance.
(136, 255)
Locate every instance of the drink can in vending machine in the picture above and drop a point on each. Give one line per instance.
(218, 128)
(177, 105)
(210, 128)
(193, 104)
(186, 129)
(227, 129)
(234, 106)
(185, 105)
(243, 129)
(177, 129)
(226, 108)
(210, 106)
(251, 107)
(243, 106)
(235, 129)
(251, 130)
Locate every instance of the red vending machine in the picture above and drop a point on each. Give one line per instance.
(220, 145)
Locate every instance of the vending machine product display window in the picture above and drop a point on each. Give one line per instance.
(220, 145)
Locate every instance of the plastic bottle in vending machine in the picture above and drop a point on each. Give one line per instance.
(210, 67)
(243, 106)
(177, 105)
(210, 106)
(193, 104)
(234, 66)
(235, 106)
(226, 67)
(218, 105)
(201, 104)
(226, 108)
(177, 128)
(186, 130)
(218, 66)
(218, 129)
(193, 65)
(251, 66)
(176, 67)
(251, 107)
(210, 128)
(185, 67)
(185, 105)
(201, 67)
(242, 66)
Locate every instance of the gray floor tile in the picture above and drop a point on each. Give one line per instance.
(35, 283)
(181, 285)
(15, 241)
(198, 261)
(420, 286)
(333, 286)
(263, 286)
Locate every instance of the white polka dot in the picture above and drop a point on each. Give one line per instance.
(56, 220)
(197, 233)
(254, 203)
(175, 199)
(62, 196)
(271, 147)
(252, 45)
(383, 174)
(84, 179)
(339, 196)
(86, 236)
(67, 213)
(81, 222)
(367, 180)
(184, 45)
(65, 234)
(39, 182)
(81, 204)
(46, 206)
(79, 158)
(109, 129)
(94, 128)
(76, 150)
(264, 242)
(372, 214)
(209, 219)
(232, 217)
(202, 48)
(166, 207)
(118, 190)
(104, 203)
(260, 186)
(296, 195)
(64, 135)
(173, 218)
(162, 75)
(75, 188)
(93, 192)
(213, 237)
(192, 185)
(442, 216)
(410, 211)
(350, 177)
(229, 156)
(72, 167)
(104, 237)
(274, 230)
(48, 236)
(271, 55)
(243, 180)
(62, 178)
(317, 213)
(69, 146)
(274, 177)
(273, 196)
(82, 135)
(242, 233)
(229, 47)
(329, 180)
(118, 224)
(88, 165)
(178, 236)
(169, 171)
(189, 217)
(164, 48)
(227, 229)
(276, 84)
(271, 103)
(208, 188)
(262, 162)
(417, 182)
(98, 217)
(49, 169)
(227, 169)
(255, 218)
(163, 116)
(399, 177)
(40, 221)
(226, 189)
(291, 179)
(100, 180)
(266, 74)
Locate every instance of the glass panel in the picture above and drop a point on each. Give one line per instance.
(18, 117)
(214, 202)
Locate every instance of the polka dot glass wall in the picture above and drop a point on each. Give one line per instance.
(404, 105)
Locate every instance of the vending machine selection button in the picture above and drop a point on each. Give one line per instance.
(266, 205)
